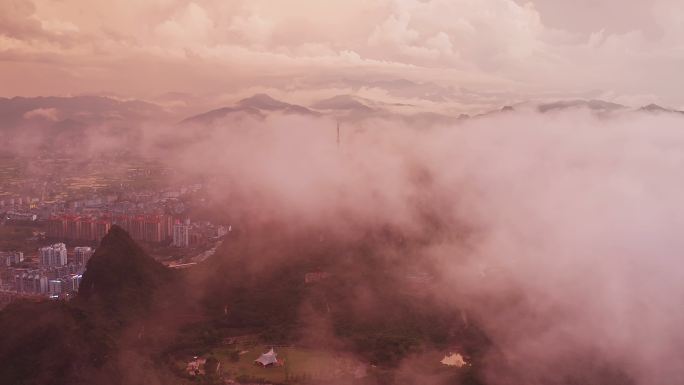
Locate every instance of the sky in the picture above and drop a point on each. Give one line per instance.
(603, 191)
(468, 52)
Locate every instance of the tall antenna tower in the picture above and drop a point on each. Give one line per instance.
(338, 133)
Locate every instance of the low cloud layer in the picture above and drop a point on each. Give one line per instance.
(558, 233)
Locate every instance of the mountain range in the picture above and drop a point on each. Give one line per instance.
(355, 108)
(257, 105)
(76, 124)
(70, 123)
(59, 114)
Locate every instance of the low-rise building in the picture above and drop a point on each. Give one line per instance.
(55, 287)
(9, 258)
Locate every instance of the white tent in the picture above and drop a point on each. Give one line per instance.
(266, 359)
(454, 359)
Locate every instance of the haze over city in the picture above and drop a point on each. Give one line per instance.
(341, 192)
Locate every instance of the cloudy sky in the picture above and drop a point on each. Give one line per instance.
(464, 51)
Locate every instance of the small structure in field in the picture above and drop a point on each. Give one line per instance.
(196, 366)
(316, 276)
(268, 359)
(454, 359)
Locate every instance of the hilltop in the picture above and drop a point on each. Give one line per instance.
(82, 341)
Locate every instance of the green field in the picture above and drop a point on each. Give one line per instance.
(299, 365)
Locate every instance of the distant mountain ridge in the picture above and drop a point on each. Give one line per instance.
(70, 123)
(85, 108)
(71, 119)
(343, 103)
(255, 105)
(593, 104)
(656, 108)
(349, 107)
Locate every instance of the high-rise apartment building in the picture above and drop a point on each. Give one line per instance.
(55, 255)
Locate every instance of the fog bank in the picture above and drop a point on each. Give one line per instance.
(558, 233)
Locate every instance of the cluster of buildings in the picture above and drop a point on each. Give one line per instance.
(19, 202)
(54, 275)
(9, 258)
(79, 207)
(147, 215)
(50, 198)
(152, 228)
(189, 234)
(17, 216)
(148, 228)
